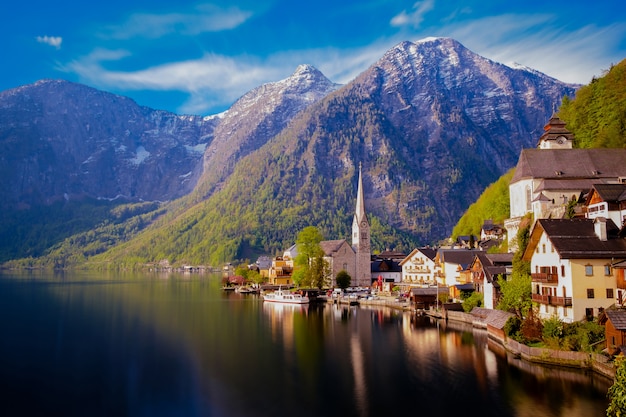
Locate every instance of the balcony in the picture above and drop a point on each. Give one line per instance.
(545, 277)
(552, 300)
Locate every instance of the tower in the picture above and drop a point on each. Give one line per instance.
(361, 240)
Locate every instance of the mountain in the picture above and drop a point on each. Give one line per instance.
(61, 140)
(257, 117)
(432, 123)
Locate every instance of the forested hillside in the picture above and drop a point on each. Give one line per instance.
(597, 115)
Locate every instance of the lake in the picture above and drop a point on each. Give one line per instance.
(109, 344)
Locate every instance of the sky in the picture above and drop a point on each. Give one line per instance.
(198, 58)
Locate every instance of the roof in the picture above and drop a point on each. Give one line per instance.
(386, 265)
(331, 246)
(429, 291)
(493, 318)
(617, 317)
(462, 257)
(570, 163)
(611, 192)
(577, 239)
(430, 253)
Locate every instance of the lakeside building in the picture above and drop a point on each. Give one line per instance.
(487, 269)
(572, 272)
(419, 268)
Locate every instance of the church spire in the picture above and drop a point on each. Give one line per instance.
(360, 201)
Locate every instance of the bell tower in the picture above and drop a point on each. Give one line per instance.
(556, 135)
(361, 240)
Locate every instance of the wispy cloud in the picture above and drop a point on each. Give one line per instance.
(414, 18)
(212, 80)
(204, 18)
(50, 40)
(536, 42)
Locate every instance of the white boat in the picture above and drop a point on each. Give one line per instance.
(288, 297)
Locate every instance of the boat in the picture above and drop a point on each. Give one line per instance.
(242, 289)
(286, 297)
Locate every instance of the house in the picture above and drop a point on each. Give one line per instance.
(262, 266)
(386, 272)
(614, 322)
(571, 266)
(486, 270)
(553, 176)
(609, 201)
(451, 264)
(419, 268)
(491, 231)
(426, 298)
(281, 271)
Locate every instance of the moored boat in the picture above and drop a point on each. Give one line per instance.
(288, 297)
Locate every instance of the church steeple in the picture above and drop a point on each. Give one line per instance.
(359, 213)
(555, 135)
(361, 238)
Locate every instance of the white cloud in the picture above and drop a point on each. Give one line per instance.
(204, 18)
(50, 40)
(414, 18)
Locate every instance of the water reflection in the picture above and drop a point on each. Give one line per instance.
(128, 345)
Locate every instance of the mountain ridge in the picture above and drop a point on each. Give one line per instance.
(432, 122)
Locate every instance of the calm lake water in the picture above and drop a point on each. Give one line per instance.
(176, 345)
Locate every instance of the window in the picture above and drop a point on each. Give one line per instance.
(607, 270)
(529, 198)
(589, 313)
(590, 293)
(562, 270)
(609, 293)
(543, 248)
(589, 270)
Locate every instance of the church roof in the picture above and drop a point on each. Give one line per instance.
(331, 246)
(597, 163)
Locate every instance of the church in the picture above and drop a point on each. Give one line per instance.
(547, 178)
(355, 259)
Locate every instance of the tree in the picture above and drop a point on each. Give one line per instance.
(617, 391)
(309, 259)
(343, 279)
(516, 295)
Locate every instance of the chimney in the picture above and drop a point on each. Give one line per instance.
(599, 226)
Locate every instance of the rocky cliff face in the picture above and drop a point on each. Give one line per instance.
(433, 124)
(60, 140)
(257, 117)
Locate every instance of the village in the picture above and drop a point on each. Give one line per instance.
(574, 203)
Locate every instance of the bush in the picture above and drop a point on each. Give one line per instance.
(474, 300)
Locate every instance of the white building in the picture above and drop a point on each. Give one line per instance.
(548, 177)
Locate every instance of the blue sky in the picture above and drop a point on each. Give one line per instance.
(199, 57)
